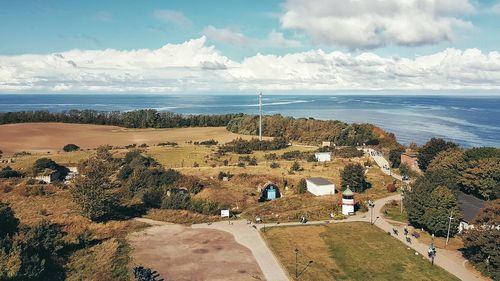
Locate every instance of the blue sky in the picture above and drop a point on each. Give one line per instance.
(239, 30)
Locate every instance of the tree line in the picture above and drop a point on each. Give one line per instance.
(144, 118)
(312, 131)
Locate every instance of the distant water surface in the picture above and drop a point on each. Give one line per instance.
(470, 121)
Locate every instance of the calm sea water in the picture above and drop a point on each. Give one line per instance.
(470, 121)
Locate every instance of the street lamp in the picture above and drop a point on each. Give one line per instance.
(371, 204)
(297, 273)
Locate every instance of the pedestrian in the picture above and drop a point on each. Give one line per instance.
(405, 231)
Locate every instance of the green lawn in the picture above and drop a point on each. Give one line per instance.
(393, 212)
(349, 251)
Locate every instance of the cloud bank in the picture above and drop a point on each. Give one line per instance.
(196, 66)
(371, 24)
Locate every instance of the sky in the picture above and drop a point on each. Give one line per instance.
(249, 46)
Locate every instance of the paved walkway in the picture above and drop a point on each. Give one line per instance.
(451, 261)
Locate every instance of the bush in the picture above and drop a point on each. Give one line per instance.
(71, 147)
(7, 172)
(274, 165)
(348, 152)
(292, 155)
(168, 143)
(353, 175)
(302, 187)
(207, 142)
(296, 167)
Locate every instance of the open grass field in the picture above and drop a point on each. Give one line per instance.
(349, 251)
(51, 137)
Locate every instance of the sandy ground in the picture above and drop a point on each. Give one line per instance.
(182, 253)
(43, 137)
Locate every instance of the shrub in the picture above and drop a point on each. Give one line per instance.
(274, 165)
(302, 187)
(71, 147)
(207, 142)
(296, 167)
(7, 172)
(348, 152)
(168, 143)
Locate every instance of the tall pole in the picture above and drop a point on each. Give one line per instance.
(449, 227)
(296, 264)
(260, 116)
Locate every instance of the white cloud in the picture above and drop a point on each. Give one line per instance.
(495, 9)
(227, 36)
(376, 23)
(196, 66)
(175, 17)
(234, 37)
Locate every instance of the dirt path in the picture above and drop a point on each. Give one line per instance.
(183, 253)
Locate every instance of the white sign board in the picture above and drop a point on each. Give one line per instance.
(224, 213)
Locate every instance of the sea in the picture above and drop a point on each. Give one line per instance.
(467, 120)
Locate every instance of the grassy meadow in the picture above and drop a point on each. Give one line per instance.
(349, 251)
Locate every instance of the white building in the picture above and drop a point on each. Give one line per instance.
(323, 156)
(348, 202)
(320, 186)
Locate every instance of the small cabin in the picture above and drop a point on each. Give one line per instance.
(320, 186)
(323, 156)
(470, 207)
(269, 192)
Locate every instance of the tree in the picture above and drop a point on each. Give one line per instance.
(353, 175)
(431, 149)
(91, 189)
(8, 221)
(395, 157)
(71, 147)
(1, 153)
(442, 204)
(481, 242)
(482, 178)
(302, 187)
(44, 163)
(7, 172)
(416, 201)
(478, 153)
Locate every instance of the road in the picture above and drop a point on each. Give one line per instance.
(384, 165)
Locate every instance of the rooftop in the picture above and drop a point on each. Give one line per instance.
(319, 181)
(348, 192)
(469, 206)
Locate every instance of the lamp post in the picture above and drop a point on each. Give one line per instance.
(371, 204)
(449, 227)
(297, 273)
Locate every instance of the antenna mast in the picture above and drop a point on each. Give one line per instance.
(260, 116)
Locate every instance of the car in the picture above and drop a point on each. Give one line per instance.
(405, 178)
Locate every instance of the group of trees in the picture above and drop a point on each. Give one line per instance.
(481, 243)
(242, 146)
(146, 118)
(29, 253)
(447, 170)
(309, 130)
(474, 171)
(108, 186)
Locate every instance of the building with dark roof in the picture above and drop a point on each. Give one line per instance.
(470, 207)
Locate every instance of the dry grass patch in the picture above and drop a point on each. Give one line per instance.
(349, 251)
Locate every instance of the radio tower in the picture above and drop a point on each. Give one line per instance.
(260, 116)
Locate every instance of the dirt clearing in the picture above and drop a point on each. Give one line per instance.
(182, 253)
